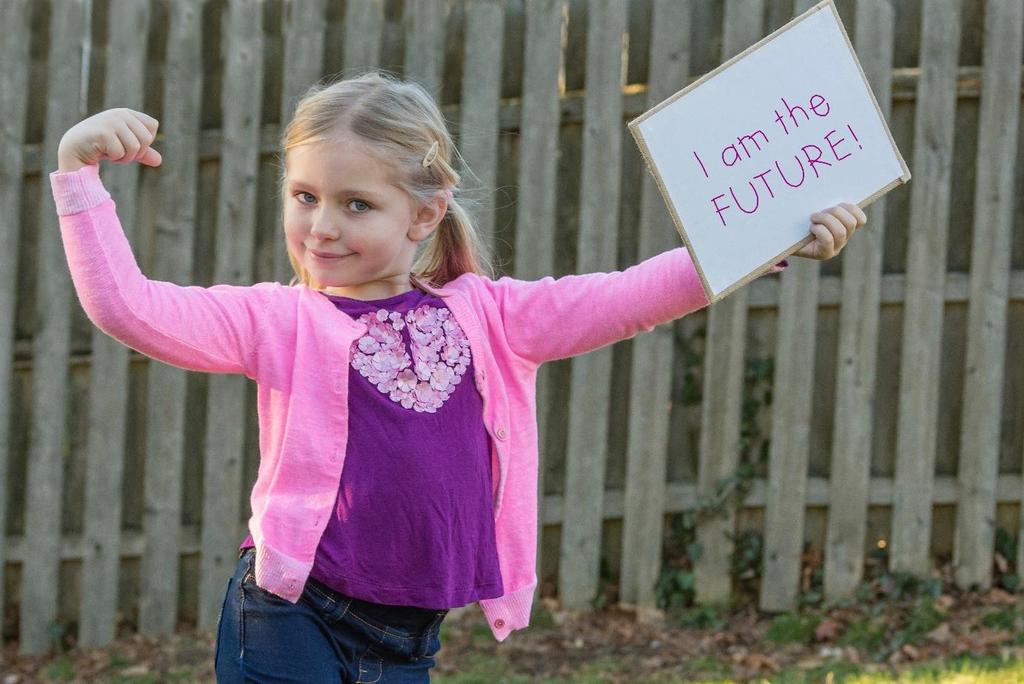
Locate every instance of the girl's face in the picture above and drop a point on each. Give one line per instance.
(348, 224)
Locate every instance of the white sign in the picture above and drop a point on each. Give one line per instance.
(744, 155)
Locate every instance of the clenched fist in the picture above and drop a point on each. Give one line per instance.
(121, 135)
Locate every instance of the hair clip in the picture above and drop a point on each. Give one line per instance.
(431, 155)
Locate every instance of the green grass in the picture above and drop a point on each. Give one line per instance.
(864, 633)
(958, 671)
(789, 628)
(707, 670)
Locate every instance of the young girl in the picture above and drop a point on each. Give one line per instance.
(398, 436)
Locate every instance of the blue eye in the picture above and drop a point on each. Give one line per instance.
(359, 206)
(302, 192)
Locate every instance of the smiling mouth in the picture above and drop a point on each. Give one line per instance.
(320, 255)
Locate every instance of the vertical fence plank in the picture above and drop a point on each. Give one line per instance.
(535, 211)
(858, 340)
(651, 380)
(791, 427)
(14, 52)
(364, 23)
(108, 377)
(934, 117)
(65, 106)
(175, 231)
(989, 290)
(723, 374)
(914, 492)
(424, 43)
(303, 35)
(242, 100)
(481, 93)
(587, 447)
(175, 236)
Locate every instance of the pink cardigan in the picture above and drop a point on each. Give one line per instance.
(294, 343)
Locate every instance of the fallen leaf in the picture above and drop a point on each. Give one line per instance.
(941, 634)
(827, 630)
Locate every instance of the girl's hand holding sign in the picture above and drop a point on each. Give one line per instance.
(743, 154)
(832, 229)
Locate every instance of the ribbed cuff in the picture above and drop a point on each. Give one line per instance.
(279, 574)
(509, 612)
(79, 190)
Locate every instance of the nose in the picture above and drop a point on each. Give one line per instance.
(325, 226)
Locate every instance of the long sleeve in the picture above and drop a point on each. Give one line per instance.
(551, 319)
(213, 329)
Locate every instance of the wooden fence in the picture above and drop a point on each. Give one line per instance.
(873, 400)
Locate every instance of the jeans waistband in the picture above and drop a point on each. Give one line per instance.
(409, 618)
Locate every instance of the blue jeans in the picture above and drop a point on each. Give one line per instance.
(325, 637)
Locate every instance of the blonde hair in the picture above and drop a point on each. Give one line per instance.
(402, 123)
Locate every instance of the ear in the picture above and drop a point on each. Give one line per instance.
(427, 217)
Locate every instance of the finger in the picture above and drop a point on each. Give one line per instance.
(148, 121)
(835, 227)
(825, 243)
(848, 220)
(150, 157)
(810, 250)
(113, 147)
(857, 212)
(144, 136)
(129, 142)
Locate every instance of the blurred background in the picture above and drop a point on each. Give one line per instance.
(817, 429)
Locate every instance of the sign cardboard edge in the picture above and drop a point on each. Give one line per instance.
(729, 62)
(760, 270)
(634, 128)
(676, 220)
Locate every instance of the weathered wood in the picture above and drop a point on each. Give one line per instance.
(108, 378)
(858, 340)
(303, 35)
(679, 497)
(651, 378)
(904, 84)
(235, 240)
(538, 150)
(791, 426)
(994, 198)
(364, 22)
(587, 447)
(934, 119)
(424, 43)
(167, 386)
(175, 237)
(481, 97)
(161, 227)
(723, 373)
(65, 106)
(14, 52)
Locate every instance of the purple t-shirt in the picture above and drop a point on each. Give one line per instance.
(413, 522)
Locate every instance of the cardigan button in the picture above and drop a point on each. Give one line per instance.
(499, 623)
(500, 432)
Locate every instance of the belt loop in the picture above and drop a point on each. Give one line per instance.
(423, 643)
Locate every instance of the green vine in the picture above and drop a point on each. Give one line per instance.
(675, 587)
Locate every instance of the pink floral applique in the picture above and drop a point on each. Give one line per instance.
(440, 356)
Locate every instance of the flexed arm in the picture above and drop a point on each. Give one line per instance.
(213, 329)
